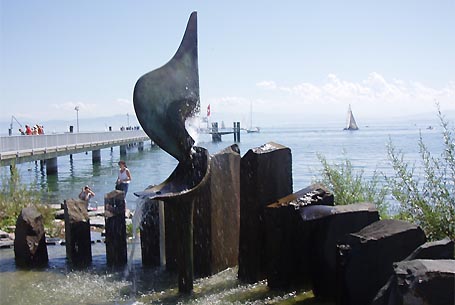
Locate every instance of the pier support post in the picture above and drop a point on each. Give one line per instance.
(77, 233)
(114, 213)
(235, 132)
(51, 166)
(265, 176)
(96, 156)
(216, 136)
(122, 150)
(140, 146)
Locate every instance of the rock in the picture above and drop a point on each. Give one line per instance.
(289, 238)
(77, 233)
(30, 244)
(150, 233)
(114, 212)
(365, 258)
(441, 249)
(331, 224)
(5, 240)
(265, 176)
(216, 216)
(421, 281)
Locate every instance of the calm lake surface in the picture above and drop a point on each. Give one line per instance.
(58, 284)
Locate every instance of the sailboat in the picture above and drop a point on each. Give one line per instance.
(252, 129)
(350, 122)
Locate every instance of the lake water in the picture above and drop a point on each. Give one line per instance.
(57, 284)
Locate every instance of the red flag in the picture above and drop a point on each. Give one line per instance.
(208, 110)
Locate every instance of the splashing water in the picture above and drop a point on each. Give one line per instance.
(191, 125)
(137, 224)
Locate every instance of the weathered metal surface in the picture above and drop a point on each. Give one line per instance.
(164, 98)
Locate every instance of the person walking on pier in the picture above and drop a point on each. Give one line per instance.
(124, 177)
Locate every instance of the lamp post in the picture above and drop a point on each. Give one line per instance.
(77, 117)
(127, 120)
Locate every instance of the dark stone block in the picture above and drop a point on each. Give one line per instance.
(150, 234)
(30, 243)
(441, 249)
(288, 237)
(421, 281)
(115, 237)
(365, 258)
(332, 225)
(216, 216)
(77, 233)
(265, 176)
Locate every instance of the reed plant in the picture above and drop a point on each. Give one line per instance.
(426, 193)
(349, 185)
(15, 196)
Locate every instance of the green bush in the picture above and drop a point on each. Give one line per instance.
(426, 194)
(349, 185)
(15, 196)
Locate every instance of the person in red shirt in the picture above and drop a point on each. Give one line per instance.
(28, 130)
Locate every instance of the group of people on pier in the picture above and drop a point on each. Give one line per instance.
(35, 130)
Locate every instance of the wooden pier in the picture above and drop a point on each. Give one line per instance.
(26, 148)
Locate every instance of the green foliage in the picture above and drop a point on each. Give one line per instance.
(15, 196)
(349, 185)
(426, 194)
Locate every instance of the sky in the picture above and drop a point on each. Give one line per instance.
(287, 60)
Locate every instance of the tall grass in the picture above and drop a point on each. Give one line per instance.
(349, 185)
(426, 196)
(15, 196)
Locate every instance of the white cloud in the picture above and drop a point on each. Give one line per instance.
(375, 95)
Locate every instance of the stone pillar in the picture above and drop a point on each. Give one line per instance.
(114, 213)
(51, 166)
(365, 258)
(30, 243)
(217, 215)
(265, 176)
(289, 239)
(96, 156)
(179, 239)
(77, 233)
(150, 234)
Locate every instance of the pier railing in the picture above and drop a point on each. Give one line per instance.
(32, 146)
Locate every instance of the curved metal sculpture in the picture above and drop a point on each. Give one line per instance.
(164, 98)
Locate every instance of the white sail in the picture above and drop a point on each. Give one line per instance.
(252, 129)
(350, 122)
